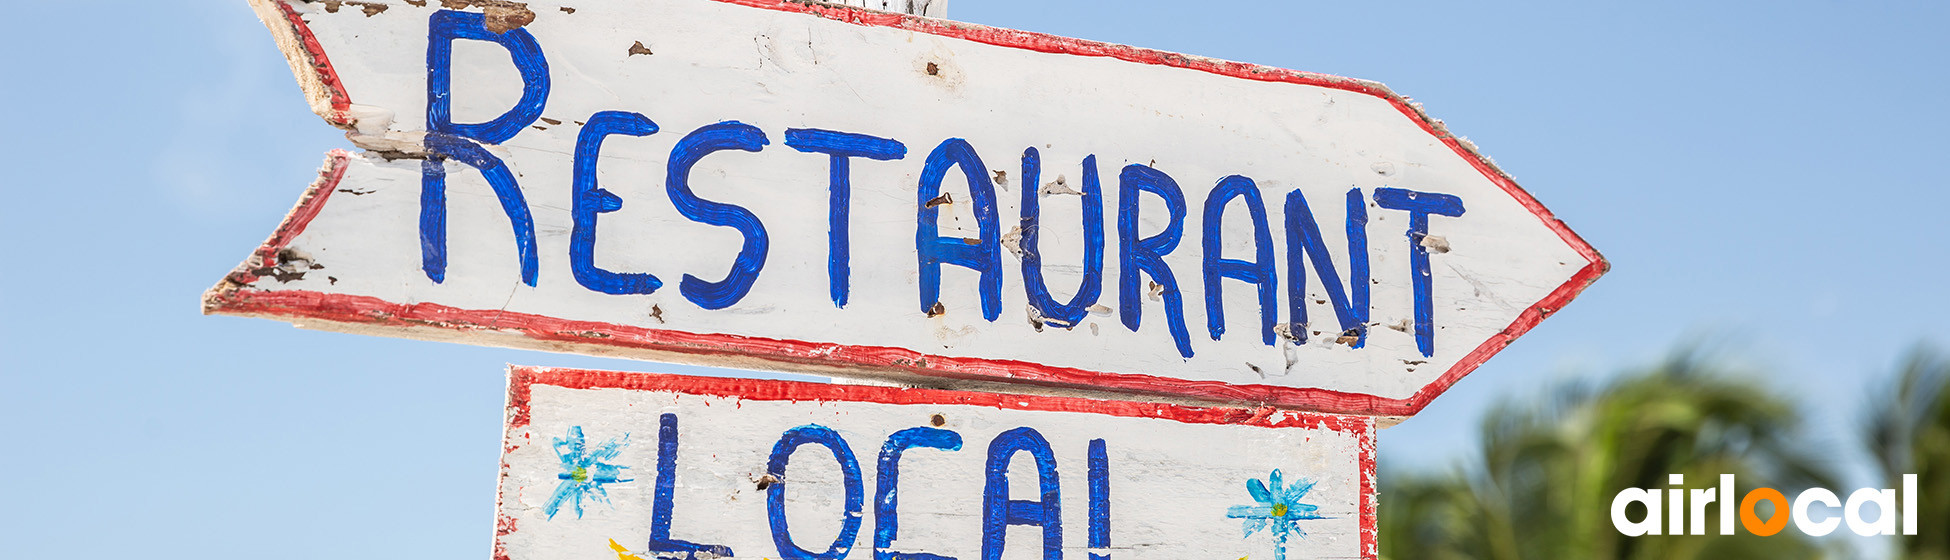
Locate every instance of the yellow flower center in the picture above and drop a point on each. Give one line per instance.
(581, 474)
(1279, 510)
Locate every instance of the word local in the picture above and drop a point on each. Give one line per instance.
(464, 143)
(998, 510)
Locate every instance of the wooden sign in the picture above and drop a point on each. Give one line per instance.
(636, 466)
(822, 189)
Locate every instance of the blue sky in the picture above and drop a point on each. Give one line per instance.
(1767, 179)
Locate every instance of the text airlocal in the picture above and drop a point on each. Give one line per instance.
(1801, 511)
(1140, 257)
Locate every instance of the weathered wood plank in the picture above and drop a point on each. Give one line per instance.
(1013, 208)
(652, 466)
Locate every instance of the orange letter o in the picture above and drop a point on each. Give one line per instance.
(1752, 522)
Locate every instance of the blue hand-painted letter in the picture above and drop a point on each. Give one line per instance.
(981, 255)
(886, 495)
(999, 512)
(1068, 314)
(842, 146)
(1420, 206)
(446, 139)
(728, 135)
(663, 503)
(775, 496)
(1147, 255)
(591, 200)
(1259, 272)
(1099, 501)
(1303, 241)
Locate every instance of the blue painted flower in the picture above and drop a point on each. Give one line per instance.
(1278, 508)
(584, 472)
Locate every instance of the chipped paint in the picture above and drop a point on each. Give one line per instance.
(502, 15)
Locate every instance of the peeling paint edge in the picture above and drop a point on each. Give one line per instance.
(323, 90)
(294, 223)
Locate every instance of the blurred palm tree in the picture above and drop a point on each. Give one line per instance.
(1543, 484)
(1909, 433)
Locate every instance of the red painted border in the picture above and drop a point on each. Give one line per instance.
(522, 379)
(553, 332)
(341, 101)
(301, 216)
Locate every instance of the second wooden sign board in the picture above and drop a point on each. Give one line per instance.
(620, 465)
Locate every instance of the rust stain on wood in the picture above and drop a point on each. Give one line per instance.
(502, 15)
(370, 8)
(1349, 337)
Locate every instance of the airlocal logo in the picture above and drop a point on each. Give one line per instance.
(1802, 511)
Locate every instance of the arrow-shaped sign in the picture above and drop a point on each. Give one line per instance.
(816, 188)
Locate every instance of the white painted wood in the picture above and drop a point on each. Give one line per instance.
(1494, 269)
(1173, 479)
